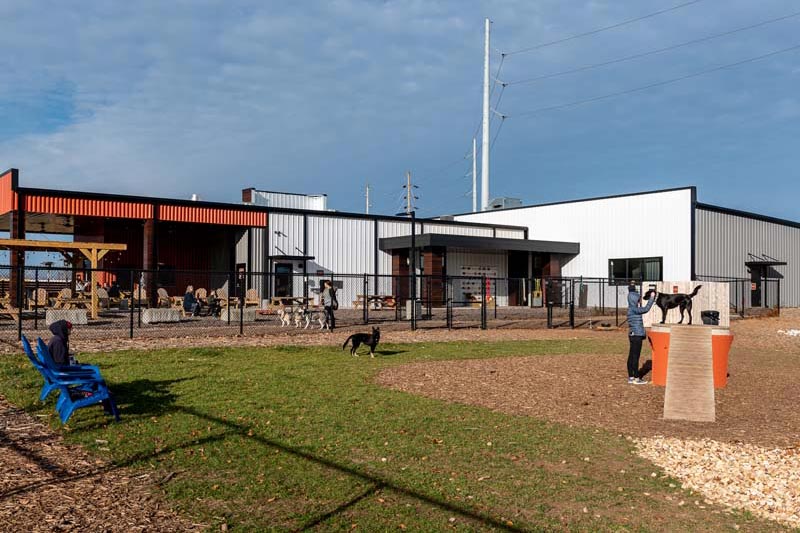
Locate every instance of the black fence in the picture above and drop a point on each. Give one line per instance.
(142, 303)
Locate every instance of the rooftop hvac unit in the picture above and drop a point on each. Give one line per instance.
(504, 202)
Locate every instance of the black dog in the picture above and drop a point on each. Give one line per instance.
(670, 301)
(367, 339)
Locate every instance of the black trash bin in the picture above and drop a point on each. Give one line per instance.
(710, 318)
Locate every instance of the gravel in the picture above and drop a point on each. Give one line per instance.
(762, 480)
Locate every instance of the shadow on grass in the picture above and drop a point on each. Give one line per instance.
(145, 396)
(375, 481)
(390, 352)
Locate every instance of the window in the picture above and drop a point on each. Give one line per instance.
(643, 268)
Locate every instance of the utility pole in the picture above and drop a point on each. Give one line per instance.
(474, 174)
(485, 140)
(410, 197)
(367, 190)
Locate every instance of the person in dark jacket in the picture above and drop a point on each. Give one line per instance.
(113, 291)
(636, 334)
(59, 343)
(190, 303)
(329, 302)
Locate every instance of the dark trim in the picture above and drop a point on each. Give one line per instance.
(478, 243)
(305, 246)
(241, 207)
(268, 255)
(494, 232)
(747, 214)
(284, 257)
(693, 237)
(579, 200)
(626, 279)
(749, 264)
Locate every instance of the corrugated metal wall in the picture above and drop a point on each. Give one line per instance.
(724, 240)
(510, 233)
(314, 202)
(643, 225)
(472, 231)
(286, 234)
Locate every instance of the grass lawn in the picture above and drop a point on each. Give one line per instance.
(299, 438)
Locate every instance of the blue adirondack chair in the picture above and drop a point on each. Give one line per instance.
(49, 383)
(80, 385)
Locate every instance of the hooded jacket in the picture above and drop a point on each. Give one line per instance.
(59, 343)
(635, 324)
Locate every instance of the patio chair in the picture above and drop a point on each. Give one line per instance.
(6, 309)
(38, 300)
(139, 297)
(251, 298)
(80, 386)
(201, 294)
(163, 298)
(103, 299)
(64, 295)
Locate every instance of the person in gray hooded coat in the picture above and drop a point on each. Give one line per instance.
(59, 343)
(636, 333)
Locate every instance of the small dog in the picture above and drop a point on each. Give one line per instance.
(665, 302)
(287, 317)
(367, 339)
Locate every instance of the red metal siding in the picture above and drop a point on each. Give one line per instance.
(86, 207)
(207, 215)
(8, 198)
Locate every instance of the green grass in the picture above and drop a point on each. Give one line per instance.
(300, 438)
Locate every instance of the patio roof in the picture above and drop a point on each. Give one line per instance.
(427, 240)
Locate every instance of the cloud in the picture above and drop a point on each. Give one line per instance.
(209, 97)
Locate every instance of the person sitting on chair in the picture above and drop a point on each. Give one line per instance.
(190, 303)
(59, 343)
(214, 307)
(113, 291)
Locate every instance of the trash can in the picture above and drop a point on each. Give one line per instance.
(710, 318)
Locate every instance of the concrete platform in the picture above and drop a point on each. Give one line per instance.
(249, 315)
(78, 317)
(153, 316)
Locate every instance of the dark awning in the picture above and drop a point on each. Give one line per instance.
(764, 263)
(291, 257)
(427, 240)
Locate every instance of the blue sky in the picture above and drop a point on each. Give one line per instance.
(175, 98)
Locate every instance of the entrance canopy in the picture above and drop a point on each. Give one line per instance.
(93, 251)
(428, 240)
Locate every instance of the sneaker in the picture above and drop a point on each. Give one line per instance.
(631, 381)
(638, 381)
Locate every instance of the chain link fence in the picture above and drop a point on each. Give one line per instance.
(150, 304)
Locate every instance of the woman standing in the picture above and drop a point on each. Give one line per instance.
(329, 303)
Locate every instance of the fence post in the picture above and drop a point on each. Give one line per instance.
(36, 300)
(139, 300)
(572, 304)
(366, 299)
(483, 302)
(448, 309)
(20, 298)
(130, 311)
(549, 314)
(241, 313)
(616, 304)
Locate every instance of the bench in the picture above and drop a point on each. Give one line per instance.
(154, 315)
(76, 316)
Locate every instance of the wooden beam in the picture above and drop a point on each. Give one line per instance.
(94, 261)
(25, 244)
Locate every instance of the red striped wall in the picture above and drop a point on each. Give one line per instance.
(207, 215)
(8, 198)
(87, 207)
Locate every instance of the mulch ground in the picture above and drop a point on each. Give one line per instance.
(759, 405)
(47, 485)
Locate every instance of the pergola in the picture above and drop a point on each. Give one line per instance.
(93, 251)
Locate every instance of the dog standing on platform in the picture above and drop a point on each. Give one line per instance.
(367, 339)
(665, 302)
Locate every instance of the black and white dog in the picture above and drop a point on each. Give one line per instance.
(665, 302)
(367, 339)
(314, 315)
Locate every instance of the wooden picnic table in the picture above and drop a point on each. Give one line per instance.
(376, 301)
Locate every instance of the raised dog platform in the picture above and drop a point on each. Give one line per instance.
(76, 316)
(156, 315)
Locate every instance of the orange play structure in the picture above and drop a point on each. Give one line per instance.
(721, 340)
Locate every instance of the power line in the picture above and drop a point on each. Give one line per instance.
(649, 53)
(605, 28)
(502, 121)
(652, 85)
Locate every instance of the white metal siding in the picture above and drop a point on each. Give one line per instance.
(312, 202)
(724, 240)
(286, 234)
(644, 225)
(241, 246)
(510, 233)
(450, 229)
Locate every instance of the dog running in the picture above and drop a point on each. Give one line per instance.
(665, 302)
(367, 339)
(300, 315)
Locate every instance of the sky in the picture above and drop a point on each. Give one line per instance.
(199, 97)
